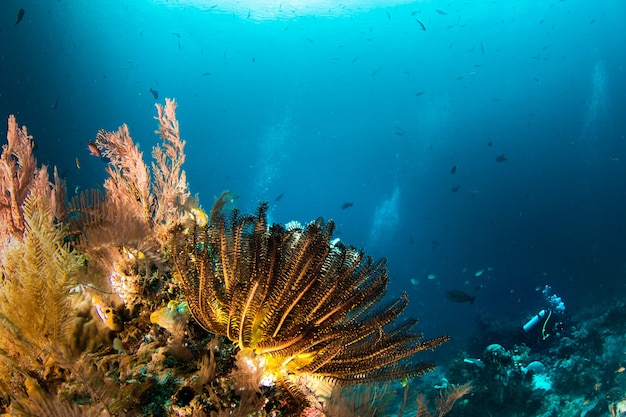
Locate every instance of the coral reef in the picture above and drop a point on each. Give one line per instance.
(579, 372)
(97, 295)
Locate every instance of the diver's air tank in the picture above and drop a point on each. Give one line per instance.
(535, 319)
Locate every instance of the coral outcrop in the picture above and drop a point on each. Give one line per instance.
(97, 295)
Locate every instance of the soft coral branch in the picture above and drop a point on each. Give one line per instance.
(170, 182)
(129, 177)
(19, 177)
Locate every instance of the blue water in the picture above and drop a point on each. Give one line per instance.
(362, 106)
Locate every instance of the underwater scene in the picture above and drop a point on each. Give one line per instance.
(313, 208)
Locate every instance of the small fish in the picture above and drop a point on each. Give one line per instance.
(346, 205)
(388, 15)
(453, 170)
(171, 316)
(206, 74)
(479, 272)
(199, 216)
(55, 105)
(415, 281)
(490, 144)
(455, 188)
(501, 158)
(431, 276)
(441, 12)
(376, 71)
(20, 16)
(421, 24)
(620, 370)
(154, 93)
(399, 133)
(482, 48)
(458, 296)
(419, 93)
(77, 163)
(279, 196)
(93, 149)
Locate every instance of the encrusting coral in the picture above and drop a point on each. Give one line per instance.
(96, 297)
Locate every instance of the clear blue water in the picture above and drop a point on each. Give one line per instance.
(364, 106)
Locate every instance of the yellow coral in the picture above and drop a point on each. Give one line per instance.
(38, 272)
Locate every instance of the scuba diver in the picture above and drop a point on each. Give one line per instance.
(547, 322)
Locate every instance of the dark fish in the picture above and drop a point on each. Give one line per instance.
(154, 93)
(434, 244)
(490, 144)
(441, 12)
(458, 296)
(279, 196)
(388, 15)
(501, 158)
(20, 16)
(419, 93)
(455, 188)
(421, 24)
(376, 71)
(346, 205)
(482, 48)
(453, 170)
